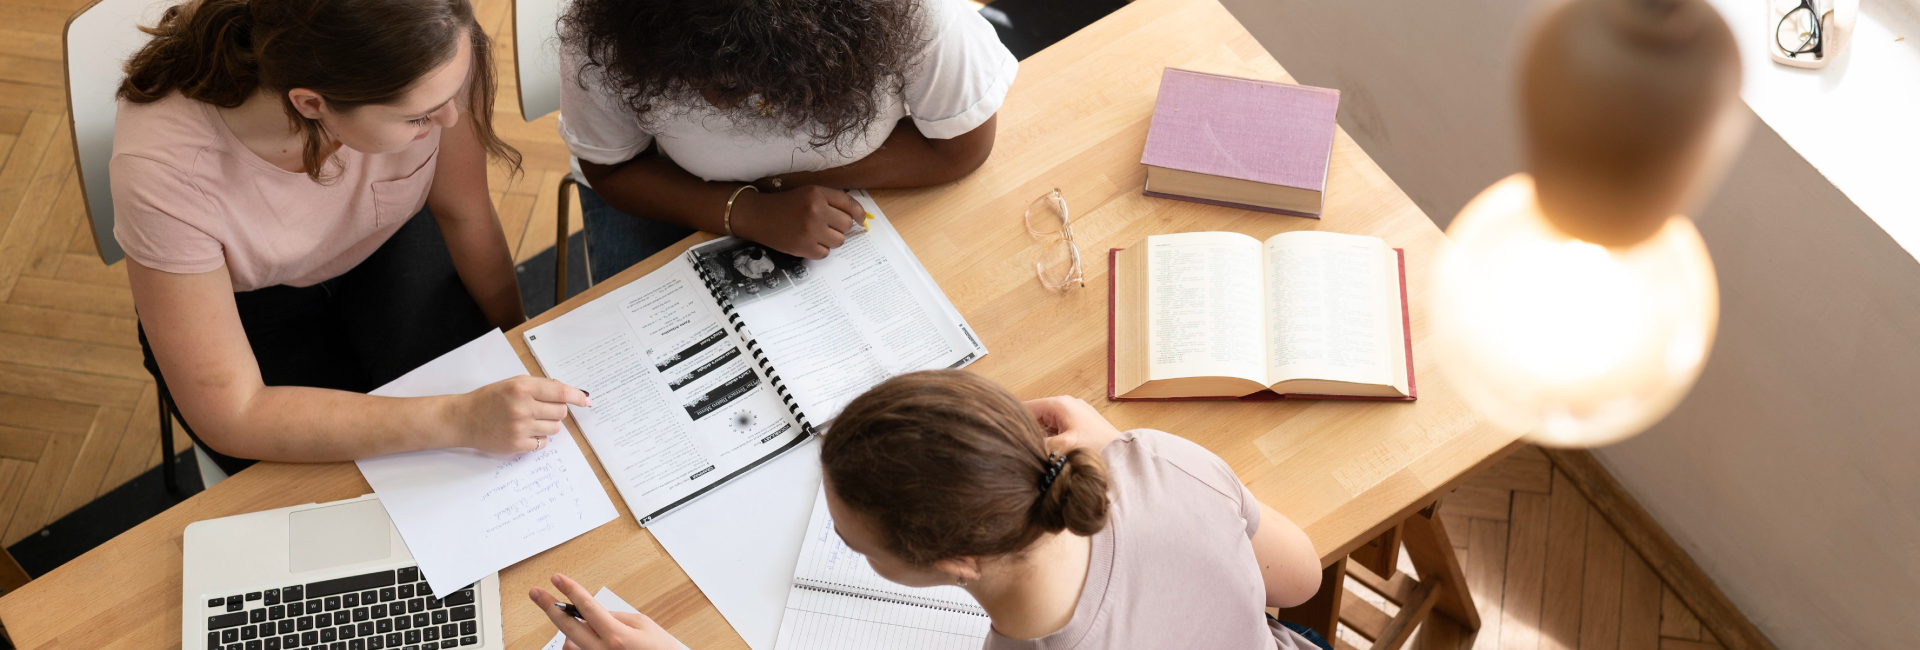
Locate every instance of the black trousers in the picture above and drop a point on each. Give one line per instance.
(402, 307)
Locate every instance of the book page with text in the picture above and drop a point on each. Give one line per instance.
(1203, 306)
(1325, 316)
(837, 326)
(678, 407)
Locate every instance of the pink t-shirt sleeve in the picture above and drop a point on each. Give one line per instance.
(1208, 468)
(152, 205)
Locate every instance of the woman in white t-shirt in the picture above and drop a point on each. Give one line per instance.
(747, 117)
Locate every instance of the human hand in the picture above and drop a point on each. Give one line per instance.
(601, 629)
(1072, 423)
(803, 222)
(513, 415)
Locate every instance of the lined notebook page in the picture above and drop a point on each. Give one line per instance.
(837, 602)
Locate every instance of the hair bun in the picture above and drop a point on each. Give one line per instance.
(1077, 499)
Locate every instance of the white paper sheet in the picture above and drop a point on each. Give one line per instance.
(739, 543)
(607, 599)
(838, 601)
(464, 513)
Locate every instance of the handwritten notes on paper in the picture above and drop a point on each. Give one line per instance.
(466, 513)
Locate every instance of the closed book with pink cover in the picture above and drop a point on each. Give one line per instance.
(1244, 143)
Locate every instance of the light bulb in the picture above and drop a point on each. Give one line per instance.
(1568, 342)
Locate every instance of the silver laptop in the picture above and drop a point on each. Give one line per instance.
(323, 576)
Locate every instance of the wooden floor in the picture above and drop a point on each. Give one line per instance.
(78, 417)
(1547, 571)
(77, 411)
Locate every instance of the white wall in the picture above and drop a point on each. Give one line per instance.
(1792, 472)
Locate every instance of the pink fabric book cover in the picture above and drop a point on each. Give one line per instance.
(1261, 131)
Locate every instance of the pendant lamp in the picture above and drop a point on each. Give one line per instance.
(1577, 303)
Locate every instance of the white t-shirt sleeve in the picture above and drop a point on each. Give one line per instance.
(593, 121)
(962, 74)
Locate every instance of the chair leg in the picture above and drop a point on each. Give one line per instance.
(166, 440)
(1432, 556)
(560, 243)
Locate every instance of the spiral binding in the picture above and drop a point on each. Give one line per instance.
(753, 346)
(856, 592)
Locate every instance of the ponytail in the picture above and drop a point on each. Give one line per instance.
(948, 464)
(351, 52)
(202, 48)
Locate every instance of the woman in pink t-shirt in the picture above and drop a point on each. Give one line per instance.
(306, 217)
(1069, 533)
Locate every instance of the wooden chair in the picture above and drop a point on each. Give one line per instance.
(1441, 587)
(98, 39)
(536, 67)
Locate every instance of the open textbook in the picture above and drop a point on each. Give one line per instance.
(837, 601)
(1220, 315)
(734, 353)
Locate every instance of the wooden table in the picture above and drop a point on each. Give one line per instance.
(1075, 119)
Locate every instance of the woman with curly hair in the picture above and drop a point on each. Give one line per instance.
(745, 117)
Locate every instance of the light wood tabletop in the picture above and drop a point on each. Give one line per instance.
(1075, 119)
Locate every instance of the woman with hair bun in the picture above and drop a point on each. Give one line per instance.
(305, 216)
(1071, 534)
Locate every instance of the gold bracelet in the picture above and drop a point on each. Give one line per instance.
(726, 219)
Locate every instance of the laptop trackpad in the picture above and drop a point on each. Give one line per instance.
(349, 533)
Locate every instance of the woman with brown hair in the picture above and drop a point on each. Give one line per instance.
(1070, 533)
(306, 217)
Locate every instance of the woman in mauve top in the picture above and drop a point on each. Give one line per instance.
(1069, 533)
(305, 215)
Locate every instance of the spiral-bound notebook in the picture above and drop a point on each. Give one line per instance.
(734, 353)
(837, 601)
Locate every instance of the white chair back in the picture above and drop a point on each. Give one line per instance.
(536, 56)
(98, 40)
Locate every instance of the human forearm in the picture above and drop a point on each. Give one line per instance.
(1289, 568)
(307, 425)
(807, 223)
(653, 187)
(485, 266)
(906, 159)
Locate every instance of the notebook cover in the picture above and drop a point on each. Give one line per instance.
(1261, 131)
(1406, 327)
(1227, 204)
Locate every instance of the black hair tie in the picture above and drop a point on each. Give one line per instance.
(1052, 472)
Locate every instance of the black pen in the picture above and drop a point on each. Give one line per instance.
(569, 609)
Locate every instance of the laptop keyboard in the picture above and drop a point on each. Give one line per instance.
(384, 610)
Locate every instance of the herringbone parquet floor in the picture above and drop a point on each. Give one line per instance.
(1546, 571)
(78, 418)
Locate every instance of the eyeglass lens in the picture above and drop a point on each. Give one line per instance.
(1048, 214)
(1058, 264)
(1799, 29)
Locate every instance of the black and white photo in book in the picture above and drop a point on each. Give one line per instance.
(748, 271)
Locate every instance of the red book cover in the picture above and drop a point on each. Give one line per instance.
(1406, 326)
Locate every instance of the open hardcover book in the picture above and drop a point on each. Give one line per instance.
(1220, 315)
(734, 353)
(837, 601)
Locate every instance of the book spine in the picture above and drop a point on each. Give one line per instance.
(753, 346)
(855, 592)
